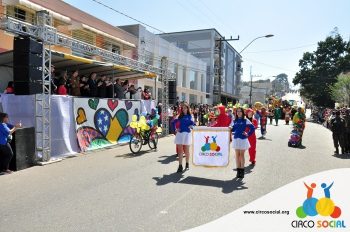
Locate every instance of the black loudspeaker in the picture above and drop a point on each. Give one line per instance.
(27, 88)
(23, 146)
(172, 92)
(27, 66)
(27, 45)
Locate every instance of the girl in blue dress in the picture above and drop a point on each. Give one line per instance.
(242, 128)
(183, 138)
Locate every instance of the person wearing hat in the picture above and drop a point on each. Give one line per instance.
(252, 137)
(338, 127)
(223, 120)
(211, 119)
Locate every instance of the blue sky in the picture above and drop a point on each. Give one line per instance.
(297, 25)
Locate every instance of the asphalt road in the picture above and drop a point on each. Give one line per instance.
(112, 190)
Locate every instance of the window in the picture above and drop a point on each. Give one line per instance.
(20, 14)
(184, 77)
(183, 96)
(192, 78)
(193, 99)
(202, 83)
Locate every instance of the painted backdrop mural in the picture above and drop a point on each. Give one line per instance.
(104, 122)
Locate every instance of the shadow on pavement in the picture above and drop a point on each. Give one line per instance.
(339, 156)
(226, 186)
(261, 138)
(167, 179)
(301, 147)
(167, 159)
(131, 155)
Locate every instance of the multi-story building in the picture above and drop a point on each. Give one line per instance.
(69, 21)
(190, 70)
(222, 84)
(259, 90)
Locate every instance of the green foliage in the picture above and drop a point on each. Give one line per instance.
(281, 83)
(319, 69)
(341, 89)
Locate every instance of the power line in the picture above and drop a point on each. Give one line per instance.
(272, 66)
(285, 49)
(119, 12)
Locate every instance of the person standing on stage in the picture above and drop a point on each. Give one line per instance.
(183, 138)
(240, 139)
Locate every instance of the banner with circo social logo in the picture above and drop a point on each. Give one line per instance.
(211, 146)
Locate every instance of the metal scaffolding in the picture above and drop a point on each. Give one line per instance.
(43, 31)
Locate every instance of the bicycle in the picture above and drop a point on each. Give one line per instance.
(142, 137)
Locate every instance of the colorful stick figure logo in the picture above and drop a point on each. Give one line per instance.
(213, 146)
(323, 206)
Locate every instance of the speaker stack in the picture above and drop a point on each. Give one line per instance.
(27, 66)
(23, 146)
(172, 92)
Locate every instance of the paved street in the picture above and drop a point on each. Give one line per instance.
(112, 190)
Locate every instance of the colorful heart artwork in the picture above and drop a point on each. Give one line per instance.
(128, 105)
(93, 103)
(81, 118)
(111, 127)
(112, 104)
(85, 137)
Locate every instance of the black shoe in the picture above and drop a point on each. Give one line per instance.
(242, 173)
(336, 151)
(180, 169)
(238, 173)
(187, 167)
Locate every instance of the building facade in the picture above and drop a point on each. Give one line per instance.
(222, 85)
(260, 91)
(70, 21)
(190, 71)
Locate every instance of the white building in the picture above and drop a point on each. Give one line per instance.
(190, 71)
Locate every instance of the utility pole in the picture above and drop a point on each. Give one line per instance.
(220, 65)
(251, 85)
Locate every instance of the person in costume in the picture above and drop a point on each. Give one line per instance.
(211, 119)
(183, 138)
(277, 114)
(252, 137)
(240, 139)
(222, 120)
(287, 114)
(299, 121)
(263, 121)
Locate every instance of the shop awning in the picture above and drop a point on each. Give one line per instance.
(68, 62)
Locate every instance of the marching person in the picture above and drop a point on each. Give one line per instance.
(183, 138)
(240, 139)
(6, 152)
(252, 137)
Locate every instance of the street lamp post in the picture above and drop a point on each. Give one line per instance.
(265, 36)
(251, 76)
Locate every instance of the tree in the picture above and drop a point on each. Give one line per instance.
(280, 84)
(341, 89)
(319, 69)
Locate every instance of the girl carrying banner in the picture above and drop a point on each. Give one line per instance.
(240, 139)
(183, 138)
